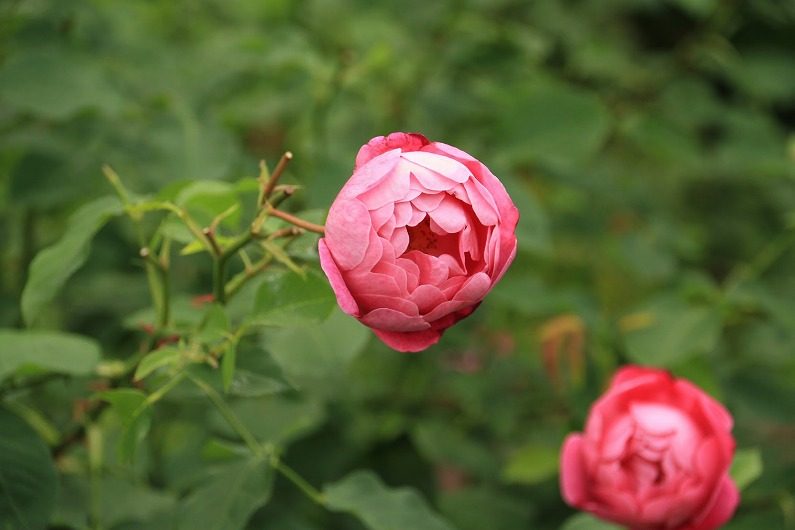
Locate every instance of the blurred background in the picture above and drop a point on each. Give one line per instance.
(649, 145)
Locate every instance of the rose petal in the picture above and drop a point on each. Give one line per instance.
(409, 342)
(348, 230)
(370, 175)
(428, 201)
(380, 216)
(427, 297)
(412, 272)
(344, 297)
(388, 319)
(396, 140)
(720, 508)
(432, 269)
(397, 274)
(392, 188)
(400, 240)
(371, 302)
(444, 309)
(482, 203)
(573, 475)
(474, 288)
(403, 213)
(372, 282)
(449, 215)
(614, 442)
(376, 252)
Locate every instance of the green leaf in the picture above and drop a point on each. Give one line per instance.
(207, 199)
(317, 357)
(53, 266)
(167, 356)
(28, 479)
(49, 351)
(670, 332)
(291, 300)
(379, 507)
(228, 498)
(135, 414)
(532, 464)
(585, 521)
(746, 467)
(282, 257)
(245, 383)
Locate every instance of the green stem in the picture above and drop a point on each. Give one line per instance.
(219, 280)
(299, 481)
(228, 415)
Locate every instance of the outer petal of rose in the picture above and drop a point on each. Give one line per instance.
(720, 510)
(474, 289)
(396, 140)
(632, 373)
(370, 175)
(409, 342)
(716, 413)
(387, 319)
(573, 475)
(348, 228)
(344, 297)
(508, 212)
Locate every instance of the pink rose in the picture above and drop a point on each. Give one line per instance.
(416, 238)
(655, 455)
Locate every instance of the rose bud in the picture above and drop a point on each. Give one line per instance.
(655, 455)
(416, 238)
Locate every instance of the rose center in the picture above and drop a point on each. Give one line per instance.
(423, 239)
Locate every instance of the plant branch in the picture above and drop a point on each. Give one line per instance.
(274, 177)
(289, 473)
(228, 414)
(297, 221)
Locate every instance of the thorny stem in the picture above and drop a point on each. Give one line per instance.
(254, 445)
(274, 178)
(297, 221)
(162, 302)
(228, 415)
(289, 473)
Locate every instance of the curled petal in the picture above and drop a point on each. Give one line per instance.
(573, 475)
(381, 144)
(338, 285)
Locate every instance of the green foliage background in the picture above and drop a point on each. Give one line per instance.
(649, 145)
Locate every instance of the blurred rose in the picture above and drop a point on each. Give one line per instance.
(655, 455)
(416, 238)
